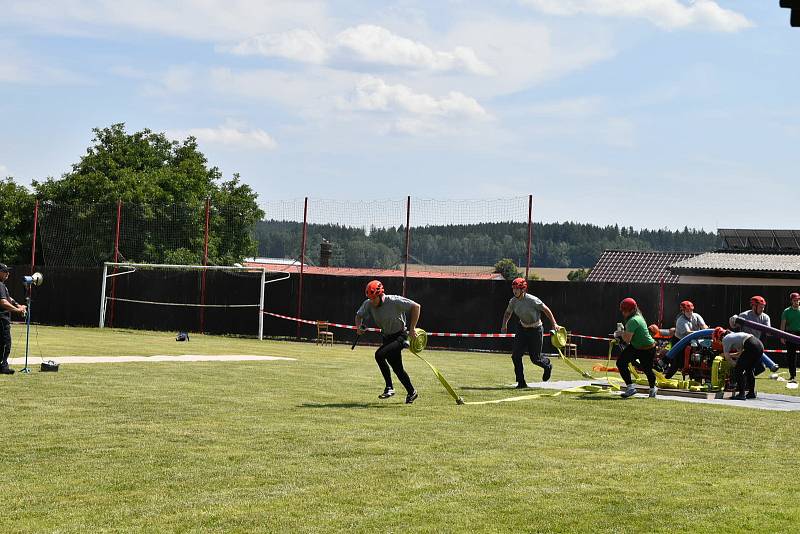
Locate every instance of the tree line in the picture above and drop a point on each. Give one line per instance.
(567, 245)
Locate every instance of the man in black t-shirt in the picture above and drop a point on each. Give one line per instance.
(7, 305)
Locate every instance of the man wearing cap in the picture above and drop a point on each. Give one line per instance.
(529, 336)
(790, 322)
(389, 313)
(688, 321)
(755, 314)
(7, 305)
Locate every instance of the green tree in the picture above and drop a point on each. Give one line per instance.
(164, 185)
(16, 222)
(578, 275)
(507, 268)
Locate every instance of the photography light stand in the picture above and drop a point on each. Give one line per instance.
(29, 281)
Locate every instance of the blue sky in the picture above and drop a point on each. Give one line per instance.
(644, 113)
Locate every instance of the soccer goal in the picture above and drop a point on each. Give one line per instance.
(213, 298)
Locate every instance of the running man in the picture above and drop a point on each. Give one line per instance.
(529, 310)
(641, 347)
(389, 314)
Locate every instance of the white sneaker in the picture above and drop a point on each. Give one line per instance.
(629, 392)
(653, 392)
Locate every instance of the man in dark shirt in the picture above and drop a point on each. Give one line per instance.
(7, 305)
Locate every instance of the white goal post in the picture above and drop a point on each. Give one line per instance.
(130, 268)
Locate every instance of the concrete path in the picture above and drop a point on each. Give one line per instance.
(765, 401)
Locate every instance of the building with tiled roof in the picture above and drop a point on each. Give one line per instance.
(739, 268)
(637, 266)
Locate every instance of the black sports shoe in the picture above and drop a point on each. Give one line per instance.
(547, 371)
(738, 396)
(411, 397)
(388, 392)
(6, 371)
(751, 395)
(522, 385)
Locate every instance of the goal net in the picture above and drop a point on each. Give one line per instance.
(210, 299)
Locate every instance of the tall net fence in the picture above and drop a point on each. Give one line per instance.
(456, 237)
(80, 235)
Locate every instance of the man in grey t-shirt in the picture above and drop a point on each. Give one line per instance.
(755, 314)
(388, 312)
(529, 336)
(688, 321)
(743, 351)
(7, 305)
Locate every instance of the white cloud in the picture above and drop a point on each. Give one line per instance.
(4, 171)
(525, 54)
(374, 94)
(297, 45)
(372, 44)
(669, 14)
(231, 134)
(367, 44)
(399, 109)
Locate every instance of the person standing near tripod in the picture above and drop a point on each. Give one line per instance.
(7, 305)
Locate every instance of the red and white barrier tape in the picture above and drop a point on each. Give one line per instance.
(430, 334)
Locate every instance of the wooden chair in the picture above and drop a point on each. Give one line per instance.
(570, 349)
(324, 335)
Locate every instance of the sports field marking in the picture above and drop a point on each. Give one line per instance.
(157, 358)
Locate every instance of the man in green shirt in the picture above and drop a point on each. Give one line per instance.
(641, 347)
(790, 322)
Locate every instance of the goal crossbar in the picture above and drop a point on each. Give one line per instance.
(133, 267)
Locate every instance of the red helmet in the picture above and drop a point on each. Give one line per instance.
(757, 299)
(687, 305)
(627, 305)
(519, 283)
(374, 289)
(718, 334)
(794, 296)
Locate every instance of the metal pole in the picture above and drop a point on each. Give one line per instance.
(33, 244)
(27, 369)
(261, 304)
(116, 259)
(530, 232)
(203, 274)
(302, 265)
(408, 242)
(103, 297)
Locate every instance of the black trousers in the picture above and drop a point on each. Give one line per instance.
(744, 371)
(645, 359)
(5, 342)
(791, 356)
(530, 340)
(390, 354)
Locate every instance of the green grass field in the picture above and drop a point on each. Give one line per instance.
(306, 446)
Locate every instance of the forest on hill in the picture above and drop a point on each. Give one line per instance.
(566, 244)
